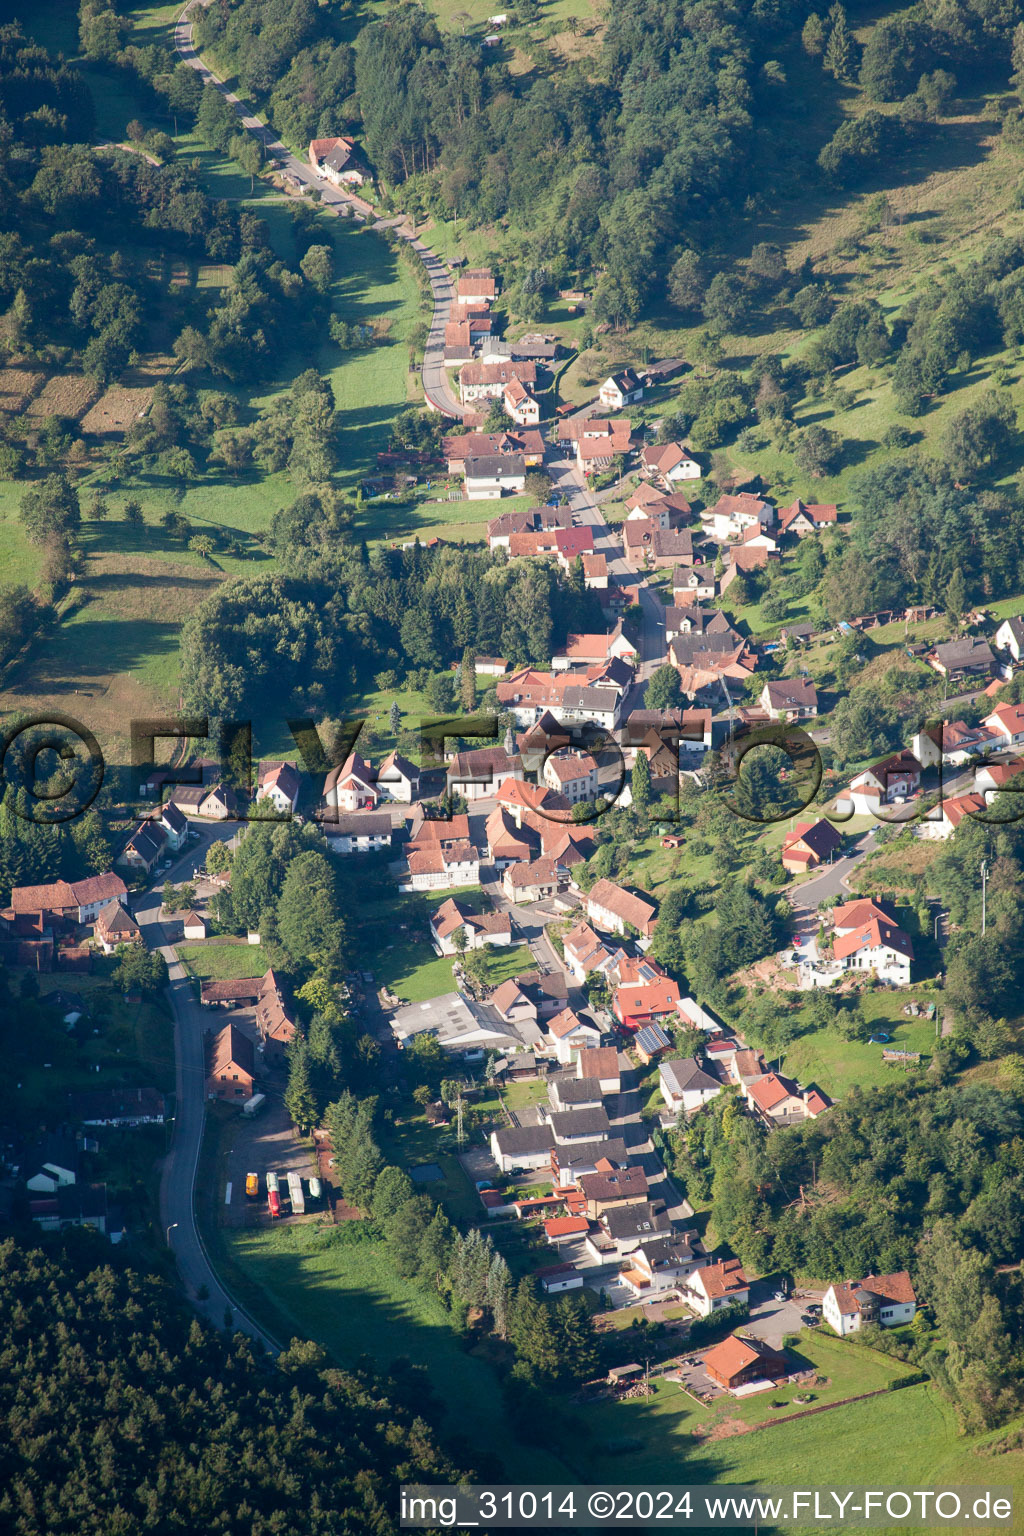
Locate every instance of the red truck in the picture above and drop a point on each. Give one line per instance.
(274, 1201)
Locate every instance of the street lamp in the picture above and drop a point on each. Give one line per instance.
(170, 1229)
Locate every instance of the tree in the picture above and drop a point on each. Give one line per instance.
(309, 914)
(726, 303)
(980, 434)
(391, 1191)
(98, 508)
(247, 152)
(664, 690)
(50, 510)
(132, 512)
(819, 451)
(839, 52)
(138, 969)
(956, 595)
(813, 35)
(318, 267)
(640, 783)
(1017, 61)
(202, 544)
(299, 1096)
(394, 718)
(687, 281)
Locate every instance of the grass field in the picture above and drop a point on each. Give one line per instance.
(836, 1065)
(906, 1439)
(350, 1299)
(223, 962)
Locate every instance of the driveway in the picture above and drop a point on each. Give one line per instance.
(771, 1320)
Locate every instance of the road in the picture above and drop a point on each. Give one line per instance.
(181, 1166)
(435, 380)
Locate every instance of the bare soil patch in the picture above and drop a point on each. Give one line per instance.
(66, 394)
(17, 386)
(116, 410)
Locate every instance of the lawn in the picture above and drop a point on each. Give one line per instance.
(410, 1141)
(905, 1440)
(837, 1065)
(223, 962)
(349, 1297)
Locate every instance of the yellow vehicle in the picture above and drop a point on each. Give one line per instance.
(252, 1185)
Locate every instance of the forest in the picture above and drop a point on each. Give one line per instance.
(121, 1411)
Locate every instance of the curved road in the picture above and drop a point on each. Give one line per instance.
(435, 380)
(181, 1165)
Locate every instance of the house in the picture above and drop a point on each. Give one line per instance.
(570, 1127)
(970, 657)
(459, 448)
(801, 518)
(669, 463)
(571, 1092)
(478, 928)
(1006, 726)
(953, 742)
(52, 1163)
(941, 822)
(595, 650)
(487, 381)
(398, 779)
(685, 1086)
(488, 479)
(565, 1229)
(337, 160)
(648, 502)
(572, 774)
(218, 804)
(193, 926)
(570, 1033)
(601, 1063)
(625, 1227)
(572, 1160)
(175, 825)
(443, 866)
(892, 781)
(778, 1100)
(643, 993)
(522, 1146)
(998, 775)
(512, 1003)
(731, 516)
(620, 389)
(230, 1074)
(500, 529)
(737, 1362)
(476, 286)
(646, 544)
(651, 1042)
(490, 666)
(789, 698)
(520, 404)
(535, 880)
(232, 994)
(810, 844)
(78, 901)
(278, 784)
(476, 774)
(274, 1020)
(600, 442)
(694, 583)
(595, 572)
(717, 1286)
(115, 926)
(743, 1066)
(359, 832)
(887, 1300)
(618, 910)
(664, 1263)
(78, 1205)
(594, 695)
(556, 1278)
(144, 847)
(866, 937)
(1010, 637)
(615, 1186)
(120, 1107)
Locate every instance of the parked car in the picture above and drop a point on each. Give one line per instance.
(810, 1321)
